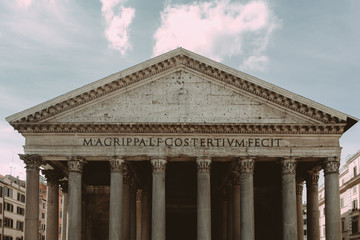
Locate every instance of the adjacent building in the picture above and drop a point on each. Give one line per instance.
(349, 182)
(12, 208)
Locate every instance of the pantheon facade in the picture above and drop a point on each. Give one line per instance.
(182, 147)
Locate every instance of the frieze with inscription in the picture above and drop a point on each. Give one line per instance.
(181, 142)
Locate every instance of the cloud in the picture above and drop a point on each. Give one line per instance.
(117, 26)
(218, 30)
(24, 3)
(256, 63)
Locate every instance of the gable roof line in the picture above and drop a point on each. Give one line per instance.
(170, 56)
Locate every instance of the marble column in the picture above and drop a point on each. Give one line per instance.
(224, 216)
(289, 217)
(133, 210)
(332, 198)
(146, 216)
(139, 201)
(230, 211)
(126, 203)
(116, 198)
(32, 162)
(64, 218)
(75, 166)
(247, 218)
(158, 199)
(236, 205)
(299, 208)
(203, 198)
(313, 214)
(52, 204)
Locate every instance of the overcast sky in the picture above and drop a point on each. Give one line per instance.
(49, 47)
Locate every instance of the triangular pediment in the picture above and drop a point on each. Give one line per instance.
(182, 97)
(181, 87)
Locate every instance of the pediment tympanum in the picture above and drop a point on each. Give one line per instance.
(181, 97)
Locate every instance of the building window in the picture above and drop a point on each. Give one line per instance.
(42, 215)
(8, 238)
(21, 197)
(355, 204)
(354, 189)
(343, 224)
(305, 232)
(355, 225)
(355, 172)
(8, 192)
(8, 222)
(342, 202)
(305, 221)
(8, 207)
(20, 210)
(20, 225)
(1, 191)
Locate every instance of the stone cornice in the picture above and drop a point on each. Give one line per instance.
(183, 59)
(179, 128)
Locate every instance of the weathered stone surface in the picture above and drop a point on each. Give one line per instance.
(181, 97)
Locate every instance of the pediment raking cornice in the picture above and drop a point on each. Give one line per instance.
(176, 61)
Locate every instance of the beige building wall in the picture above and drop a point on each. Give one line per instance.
(349, 182)
(12, 207)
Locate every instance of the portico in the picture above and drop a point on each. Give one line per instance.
(182, 147)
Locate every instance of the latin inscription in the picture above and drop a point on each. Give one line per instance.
(182, 142)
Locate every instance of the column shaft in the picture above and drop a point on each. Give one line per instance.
(158, 202)
(332, 199)
(52, 205)
(146, 216)
(74, 209)
(139, 201)
(203, 199)
(116, 198)
(64, 217)
(133, 212)
(32, 195)
(224, 217)
(247, 219)
(289, 199)
(126, 204)
(313, 215)
(230, 212)
(299, 209)
(236, 202)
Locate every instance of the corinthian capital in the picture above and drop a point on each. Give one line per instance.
(203, 164)
(331, 165)
(288, 166)
(52, 177)
(312, 177)
(75, 164)
(158, 165)
(32, 162)
(116, 164)
(299, 187)
(247, 165)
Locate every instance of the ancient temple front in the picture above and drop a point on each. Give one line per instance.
(182, 147)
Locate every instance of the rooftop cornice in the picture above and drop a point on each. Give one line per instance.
(182, 58)
(185, 128)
